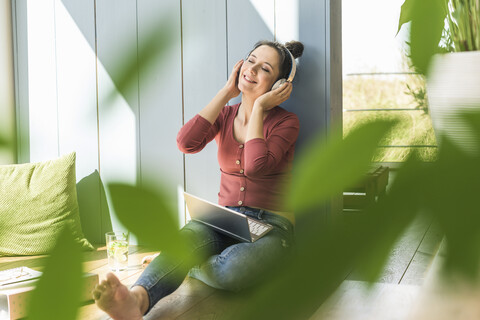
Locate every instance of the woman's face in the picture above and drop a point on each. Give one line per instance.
(259, 71)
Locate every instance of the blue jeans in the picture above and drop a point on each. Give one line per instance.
(219, 260)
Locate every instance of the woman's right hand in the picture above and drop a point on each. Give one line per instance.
(232, 83)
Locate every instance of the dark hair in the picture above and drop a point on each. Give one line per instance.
(295, 48)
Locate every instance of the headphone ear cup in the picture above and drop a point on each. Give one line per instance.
(279, 83)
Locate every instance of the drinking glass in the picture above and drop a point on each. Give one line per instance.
(117, 250)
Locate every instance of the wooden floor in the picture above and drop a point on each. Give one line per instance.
(391, 298)
(396, 289)
(412, 255)
(96, 262)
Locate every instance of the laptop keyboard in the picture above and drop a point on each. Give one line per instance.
(256, 228)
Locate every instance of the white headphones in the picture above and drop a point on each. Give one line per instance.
(290, 76)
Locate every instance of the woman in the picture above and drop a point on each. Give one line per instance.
(256, 141)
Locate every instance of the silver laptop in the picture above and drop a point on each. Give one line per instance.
(227, 221)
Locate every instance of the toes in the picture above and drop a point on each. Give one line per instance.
(99, 290)
(102, 286)
(96, 294)
(112, 280)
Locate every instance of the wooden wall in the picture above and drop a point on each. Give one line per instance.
(7, 100)
(114, 80)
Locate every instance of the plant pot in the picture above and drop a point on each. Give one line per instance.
(453, 87)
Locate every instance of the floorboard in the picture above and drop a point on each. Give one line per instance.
(422, 260)
(356, 300)
(404, 251)
(405, 254)
(390, 298)
(187, 299)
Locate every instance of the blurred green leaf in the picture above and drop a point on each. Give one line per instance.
(406, 13)
(4, 142)
(427, 18)
(386, 221)
(323, 263)
(452, 196)
(363, 242)
(328, 168)
(148, 215)
(58, 292)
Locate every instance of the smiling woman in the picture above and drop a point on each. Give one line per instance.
(256, 143)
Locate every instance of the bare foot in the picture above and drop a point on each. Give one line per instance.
(115, 299)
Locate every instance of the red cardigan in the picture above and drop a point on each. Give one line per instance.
(253, 174)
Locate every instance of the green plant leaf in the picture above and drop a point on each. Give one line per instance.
(385, 221)
(330, 167)
(452, 196)
(406, 13)
(148, 215)
(58, 292)
(427, 18)
(360, 241)
(4, 142)
(328, 254)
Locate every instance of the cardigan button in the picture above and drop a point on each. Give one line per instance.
(240, 146)
(240, 202)
(242, 189)
(237, 162)
(241, 171)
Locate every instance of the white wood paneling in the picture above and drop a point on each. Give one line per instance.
(7, 107)
(117, 93)
(205, 73)
(121, 109)
(310, 99)
(287, 20)
(20, 56)
(248, 22)
(287, 29)
(42, 82)
(160, 66)
(305, 21)
(315, 100)
(77, 104)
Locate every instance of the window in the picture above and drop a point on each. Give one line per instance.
(378, 82)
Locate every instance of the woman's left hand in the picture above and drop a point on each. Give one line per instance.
(275, 97)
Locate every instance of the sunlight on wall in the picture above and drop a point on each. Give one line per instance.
(42, 80)
(118, 136)
(287, 15)
(280, 16)
(265, 10)
(76, 92)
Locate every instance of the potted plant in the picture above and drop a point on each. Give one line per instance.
(444, 45)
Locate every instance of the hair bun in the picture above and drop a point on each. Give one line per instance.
(295, 48)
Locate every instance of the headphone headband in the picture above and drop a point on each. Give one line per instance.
(293, 70)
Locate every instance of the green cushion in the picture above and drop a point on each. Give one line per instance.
(36, 201)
